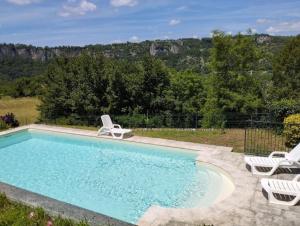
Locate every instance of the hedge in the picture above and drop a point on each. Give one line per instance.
(292, 130)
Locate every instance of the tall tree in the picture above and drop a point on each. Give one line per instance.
(286, 71)
(76, 88)
(232, 88)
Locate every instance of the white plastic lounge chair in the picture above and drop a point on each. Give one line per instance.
(288, 160)
(282, 187)
(114, 129)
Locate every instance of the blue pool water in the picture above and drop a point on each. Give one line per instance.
(115, 178)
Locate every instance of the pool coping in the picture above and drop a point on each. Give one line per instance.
(133, 139)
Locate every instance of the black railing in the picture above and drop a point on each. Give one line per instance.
(163, 120)
(261, 137)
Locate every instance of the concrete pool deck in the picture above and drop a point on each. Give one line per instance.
(245, 206)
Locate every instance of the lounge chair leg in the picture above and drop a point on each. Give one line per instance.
(117, 137)
(268, 173)
(101, 131)
(274, 200)
(256, 172)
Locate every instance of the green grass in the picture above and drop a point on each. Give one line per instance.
(25, 109)
(17, 214)
(228, 137)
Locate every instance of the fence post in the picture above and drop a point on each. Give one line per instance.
(245, 140)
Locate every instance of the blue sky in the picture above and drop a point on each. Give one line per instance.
(82, 22)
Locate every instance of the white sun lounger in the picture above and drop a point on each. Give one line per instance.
(288, 160)
(282, 187)
(109, 128)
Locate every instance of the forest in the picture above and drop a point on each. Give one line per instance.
(241, 78)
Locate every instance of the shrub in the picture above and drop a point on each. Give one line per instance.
(292, 130)
(213, 116)
(283, 108)
(10, 120)
(3, 125)
(131, 121)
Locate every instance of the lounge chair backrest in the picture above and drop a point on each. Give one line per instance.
(107, 123)
(294, 154)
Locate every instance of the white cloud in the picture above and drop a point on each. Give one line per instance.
(253, 30)
(120, 3)
(77, 8)
(292, 26)
(263, 21)
(174, 22)
(134, 39)
(22, 2)
(117, 41)
(182, 8)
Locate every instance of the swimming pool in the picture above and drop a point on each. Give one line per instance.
(116, 178)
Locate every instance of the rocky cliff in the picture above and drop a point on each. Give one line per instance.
(181, 54)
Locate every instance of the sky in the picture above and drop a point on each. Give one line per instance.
(83, 22)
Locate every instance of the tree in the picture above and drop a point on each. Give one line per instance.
(76, 88)
(156, 80)
(286, 71)
(186, 94)
(232, 83)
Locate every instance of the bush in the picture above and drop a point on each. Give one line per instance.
(3, 125)
(131, 121)
(283, 108)
(10, 120)
(213, 116)
(292, 130)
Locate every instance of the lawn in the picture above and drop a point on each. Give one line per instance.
(228, 137)
(13, 213)
(25, 109)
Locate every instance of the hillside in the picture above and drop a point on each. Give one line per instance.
(18, 60)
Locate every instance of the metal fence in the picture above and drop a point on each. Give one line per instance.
(262, 137)
(163, 120)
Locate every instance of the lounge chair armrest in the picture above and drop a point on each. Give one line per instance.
(277, 153)
(118, 126)
(297, 178)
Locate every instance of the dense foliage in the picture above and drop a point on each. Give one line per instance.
(80, 89)
(238, 77)
(8, 121)
(292, 130)
(12, 68)
(233, 83)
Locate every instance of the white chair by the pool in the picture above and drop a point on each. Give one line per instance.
(282, 188)
(288, 160)
(114, 129)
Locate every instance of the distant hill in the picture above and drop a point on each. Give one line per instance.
(18, 60)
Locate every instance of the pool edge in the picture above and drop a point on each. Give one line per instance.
(197, 147)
